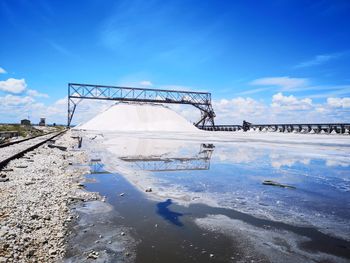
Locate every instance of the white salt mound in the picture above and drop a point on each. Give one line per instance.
(138, 117)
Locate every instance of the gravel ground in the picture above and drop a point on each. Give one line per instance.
(35, 202)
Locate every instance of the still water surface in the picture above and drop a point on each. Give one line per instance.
(209, 204)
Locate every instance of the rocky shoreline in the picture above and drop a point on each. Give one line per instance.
(35, 202)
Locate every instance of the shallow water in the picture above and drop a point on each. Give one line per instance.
(242, 219)
(164, 231)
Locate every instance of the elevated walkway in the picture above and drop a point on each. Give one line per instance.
(200, 100)
(340, 128)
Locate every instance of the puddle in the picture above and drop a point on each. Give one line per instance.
(149, 225)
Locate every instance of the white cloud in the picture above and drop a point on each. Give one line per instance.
(290, 102)
(86, 109)
(146, 83)
(320, 59)
(339, 102)
(282, 109)
(13, 108)
(239, 105)
(321, 109)
(235, 110)
(252, 91)
(11, 100)
(2, 71)
(13, 85)
(61, 102)
(285, 83)
(35, 93)
(324, 92)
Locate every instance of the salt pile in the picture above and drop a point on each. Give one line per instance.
(138, 117)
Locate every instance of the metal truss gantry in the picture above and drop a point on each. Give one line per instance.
(200, 100)
(200, 161)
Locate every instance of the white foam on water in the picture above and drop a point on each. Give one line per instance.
(257, 243)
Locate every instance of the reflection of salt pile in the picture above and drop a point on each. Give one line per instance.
(138, 117)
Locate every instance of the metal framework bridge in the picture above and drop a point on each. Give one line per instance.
(341, 128)
(200, 100)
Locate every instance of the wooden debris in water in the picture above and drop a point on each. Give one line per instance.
(274, 183)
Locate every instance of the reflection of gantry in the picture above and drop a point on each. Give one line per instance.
(200, 100)
(158, 164)
(96, 166)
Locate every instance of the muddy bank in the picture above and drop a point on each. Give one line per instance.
(36, 200)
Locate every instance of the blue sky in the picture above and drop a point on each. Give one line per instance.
(273, 60)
